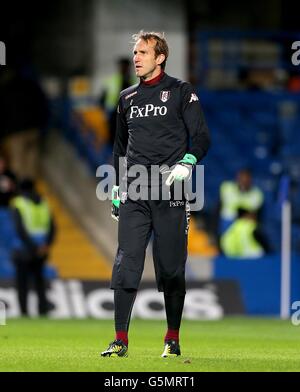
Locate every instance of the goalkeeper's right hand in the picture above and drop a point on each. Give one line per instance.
(115, 203)
(182, 170)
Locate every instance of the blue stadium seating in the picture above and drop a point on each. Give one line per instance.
(6, 267)
(249, 130)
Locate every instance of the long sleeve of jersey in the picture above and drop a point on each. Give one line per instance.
(195, 123)
(121, 140)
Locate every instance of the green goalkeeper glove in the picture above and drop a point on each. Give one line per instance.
(115, 203)
(183, 169)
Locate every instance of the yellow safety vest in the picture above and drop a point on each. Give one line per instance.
(232, 199)
(238, 240)
(35, 217)
(113, 86)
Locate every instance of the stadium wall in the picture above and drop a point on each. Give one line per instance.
(259, 281)
(207, 300)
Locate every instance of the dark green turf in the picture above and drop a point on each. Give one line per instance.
(233, 344)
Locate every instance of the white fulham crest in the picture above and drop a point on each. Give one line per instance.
(193, 98)
(165, 95)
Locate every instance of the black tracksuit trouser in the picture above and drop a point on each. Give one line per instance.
(25, 272)
(168, 220)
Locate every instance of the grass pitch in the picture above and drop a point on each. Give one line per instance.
(232, 344)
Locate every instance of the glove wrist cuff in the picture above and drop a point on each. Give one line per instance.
(189, 159)
(115, 196)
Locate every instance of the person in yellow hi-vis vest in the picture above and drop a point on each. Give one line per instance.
(113, 85)
(238, 194)
(243, 239)
(35, 228)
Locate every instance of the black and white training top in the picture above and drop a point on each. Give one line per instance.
(158, 122)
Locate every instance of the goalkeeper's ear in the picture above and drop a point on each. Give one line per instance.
(160, 59)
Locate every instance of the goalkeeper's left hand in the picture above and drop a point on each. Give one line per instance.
(115, 203)
(183, 169)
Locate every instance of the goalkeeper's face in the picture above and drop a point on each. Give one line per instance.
(146, 64)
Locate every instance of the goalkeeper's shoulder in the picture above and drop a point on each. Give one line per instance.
(129, 92)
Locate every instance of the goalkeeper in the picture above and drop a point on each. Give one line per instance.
(159, 122)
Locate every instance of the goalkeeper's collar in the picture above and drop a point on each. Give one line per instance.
(153, 81)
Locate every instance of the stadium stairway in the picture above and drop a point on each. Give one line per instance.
(73, 255)
(199, 242)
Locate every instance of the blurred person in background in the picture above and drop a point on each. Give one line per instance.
(238, 194)
(243, 239)
(24, 113)
(261, 79)
(35, 227)
(113, 85)
(8, 183)
(159, 122)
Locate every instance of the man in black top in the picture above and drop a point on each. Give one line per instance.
(8, 183)
(160, 122)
